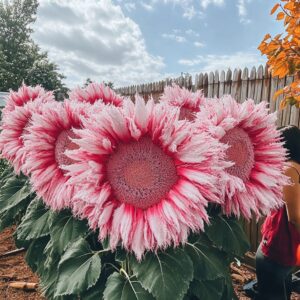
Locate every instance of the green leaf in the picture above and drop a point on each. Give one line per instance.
(228, 289)
(35, 253)
(35, 223)
(119, 287)
(96, 292)
(48, 271)
(228, 235)
(208, 289)
(65, 229)
(79, 269)
(165, 274)
(209, 262)
(13, 200)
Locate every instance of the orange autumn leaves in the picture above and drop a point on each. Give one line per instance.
(283, 50)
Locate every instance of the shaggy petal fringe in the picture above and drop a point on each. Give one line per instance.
(47, 176)
(262, 190)
(197, 158)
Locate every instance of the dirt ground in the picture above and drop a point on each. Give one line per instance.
(14, 268)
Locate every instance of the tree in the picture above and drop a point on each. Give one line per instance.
(20, 58)
(283, 51)
(89, 81)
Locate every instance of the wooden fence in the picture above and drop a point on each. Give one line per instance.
(256, 84)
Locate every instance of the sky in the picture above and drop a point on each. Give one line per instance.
(130, 42)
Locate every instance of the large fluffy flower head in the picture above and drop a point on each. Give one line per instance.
(96, 92)
(145, 177)
(188, 102)
(14, 128)
(254, 182)
(48, 137)
(25, 94)
(16, 117)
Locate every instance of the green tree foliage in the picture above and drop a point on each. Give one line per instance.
(20, 58)
(89, 81)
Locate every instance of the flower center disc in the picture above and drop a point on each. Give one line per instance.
(140, 173)
(62, 144)
(240, 151)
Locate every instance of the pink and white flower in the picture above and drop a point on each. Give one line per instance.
(96, 92)
(16, 119)
(145, 178)
(254, 183)
(188, 102)
(49, 135)
(23, 95)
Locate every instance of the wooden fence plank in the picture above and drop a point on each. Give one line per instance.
(228, 82)
(236, 84)
(266, 85)
(286, 114)
(205, 84)
(294, 120)
(216, 84)
(274, 87)
(258, 84)
(281, 84)
(222, 84)
(210, 91)
(251, 85)
(244, 92)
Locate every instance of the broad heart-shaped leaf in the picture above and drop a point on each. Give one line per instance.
(208, 289)
(228, 292)
(35, 223)
(209, 262)
(14, 199)
(228, 235)
(165, 274)
(64, 229)
(79, 269)
(96, 292)
(119, 287)
(35, 253)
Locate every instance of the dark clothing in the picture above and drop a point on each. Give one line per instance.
(274, 280)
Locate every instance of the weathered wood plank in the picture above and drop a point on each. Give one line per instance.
(236, 85)
(274, 87)
(286, 113)
(281, 84)
(205, 84)
(210, 90)
(222, 84)
(228, 82)
(258, 84)
(266, 85)
(245, 83)
(251, 85)
(216, 84)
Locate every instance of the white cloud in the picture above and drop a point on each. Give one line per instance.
(199, 44)
(130, 6)
(189, 12)
(192, 32)
(174, 37)
(92, 38)
(242, 11)
(147, 6)
(205, 3)
(208, 63)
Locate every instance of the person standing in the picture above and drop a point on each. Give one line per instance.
(279, 251)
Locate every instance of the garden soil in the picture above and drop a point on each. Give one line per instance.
(14, 268)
